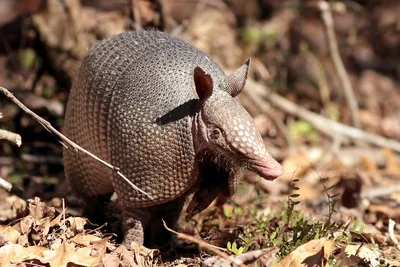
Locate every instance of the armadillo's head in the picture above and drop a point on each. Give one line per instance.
(225, 130)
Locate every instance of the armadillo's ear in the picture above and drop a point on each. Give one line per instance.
(203, 83)
(236, 81)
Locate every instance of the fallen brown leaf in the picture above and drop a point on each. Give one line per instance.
(68, 252)
(14, 253)
(10, 234)
(39, 210)
(313, 252)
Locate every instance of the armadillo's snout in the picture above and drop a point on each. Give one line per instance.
(247, 141)
(268, 168)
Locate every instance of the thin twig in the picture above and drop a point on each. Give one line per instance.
(379, 192)
(258, 92)
(338, 62)
(62, 137)
(391, 234)
(205, 245)
(10, 136)
(8, 187)
(321, 79)
(249, 258)
(136, 15)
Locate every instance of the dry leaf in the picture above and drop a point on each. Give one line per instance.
(56, 221)
(85, 240)
(313, 252)
(111, 260)
(25, 224)
(363, 252)
(392, 164)
(10, 234)
(370, 165)
(39, 210)
(15, 253)
(77, 224)
(136, 256)
(68, 253)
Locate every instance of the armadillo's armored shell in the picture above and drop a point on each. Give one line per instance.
(130, 105)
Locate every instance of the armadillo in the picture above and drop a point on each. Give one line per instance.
(168, 117)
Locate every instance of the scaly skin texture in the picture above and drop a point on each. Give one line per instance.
(165, 114)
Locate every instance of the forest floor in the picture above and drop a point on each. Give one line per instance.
(324, 91)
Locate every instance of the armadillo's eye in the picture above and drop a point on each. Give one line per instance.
(215, 133)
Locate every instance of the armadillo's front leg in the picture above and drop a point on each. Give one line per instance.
(156, 234)
(134, 225)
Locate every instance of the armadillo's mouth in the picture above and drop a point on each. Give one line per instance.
(268, 168)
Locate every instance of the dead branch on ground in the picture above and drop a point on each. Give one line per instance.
(201, 243)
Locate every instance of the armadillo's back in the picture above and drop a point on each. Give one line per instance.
(130, 105)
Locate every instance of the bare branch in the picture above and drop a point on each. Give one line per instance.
(8, 187)
(338, 62)
(258, 92)
(62, 137)
(267, 257)
(10, 136)
(205, 245)
(136, 15)
(392, 235)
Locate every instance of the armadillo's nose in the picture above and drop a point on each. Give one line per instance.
(268, 168)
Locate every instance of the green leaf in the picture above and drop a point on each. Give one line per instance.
(232, 247)
(331, 187)
(237, 211)
(273, 235)
(228, 212)
(27, 58)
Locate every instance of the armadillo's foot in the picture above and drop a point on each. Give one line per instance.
(133, 232)
(160, 238)
(157, 236)
(168, 250)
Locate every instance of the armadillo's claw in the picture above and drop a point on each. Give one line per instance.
(192, 213)
(191, 207)
(202, 199)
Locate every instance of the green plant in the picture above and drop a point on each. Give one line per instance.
(232, 247)
(291, 203)
(290, 228)
(332, 199)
